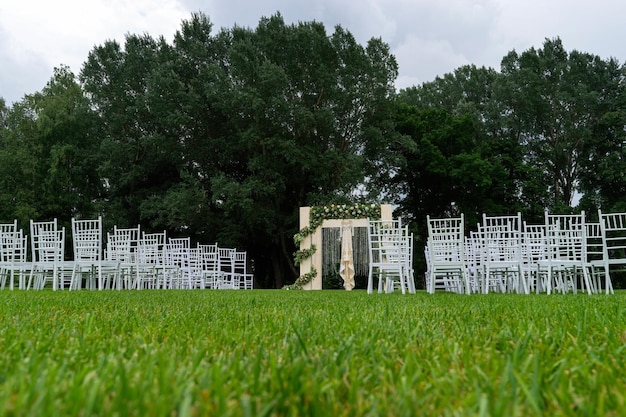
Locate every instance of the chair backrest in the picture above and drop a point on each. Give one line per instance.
(13, 247)
(474, 250)
(180, 242)
(401, 245)
(566, 236)
(122, 244)
(192, 262)
(87, 239)
(47, 241)
(152, 248)
(386, 241)
(594, 245)
(177, 251)
(8, 227)
(226, 259)
(534, 244)
(240, 263)
(613, 230)
(513, 222)
(446, 239)
(210, 257)
(501, 238)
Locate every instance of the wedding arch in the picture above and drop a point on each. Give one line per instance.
(313, 222)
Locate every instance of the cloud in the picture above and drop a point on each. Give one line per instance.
(595, 27)
(421, 58)
(428, 37)
(19, 68)
(38, 35)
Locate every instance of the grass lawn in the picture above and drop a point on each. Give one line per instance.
(327, 353)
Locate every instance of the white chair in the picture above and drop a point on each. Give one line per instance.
(151, 262)
(122, 248)
(408, 262)
(177, 259)
(613, 230)
(191, 269)
(240, 270)
(13, 258)
(385, 240)
(88, 254)
(227, 279)
(446, 252)
(595, 262)
(534, 257)
(11, 229)
(211, 270)
(402, 252)
(48, 252)
(474, 262)
(502, 253)
(565, 263)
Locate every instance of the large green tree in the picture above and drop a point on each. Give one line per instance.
(472, 94)
(551, 123)
(234, 131)
(140, 142)
(47, 155)
(602, 178)
(445, 172)
(554, 100)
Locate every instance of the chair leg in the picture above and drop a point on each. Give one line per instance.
(370, 280)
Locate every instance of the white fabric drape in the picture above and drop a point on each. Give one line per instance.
(346, 268)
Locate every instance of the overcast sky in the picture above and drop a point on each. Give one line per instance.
(428, 37)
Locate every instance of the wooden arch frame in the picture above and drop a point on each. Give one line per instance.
(315, 261)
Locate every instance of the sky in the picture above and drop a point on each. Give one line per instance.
(429, 38)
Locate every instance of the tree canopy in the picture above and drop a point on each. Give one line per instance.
(224, 136)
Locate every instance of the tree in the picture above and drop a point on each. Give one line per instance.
(303, 110)
(603, 165)
(3, 116)
(141, 154)
(551, 98)
(471, 94)
(238, 129)
(445, 172)
(47, 154)
(549, 121)
(19, 184)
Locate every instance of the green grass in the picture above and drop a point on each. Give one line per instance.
(334, 353)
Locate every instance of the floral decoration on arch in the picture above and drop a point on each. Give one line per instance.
(336, 211)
